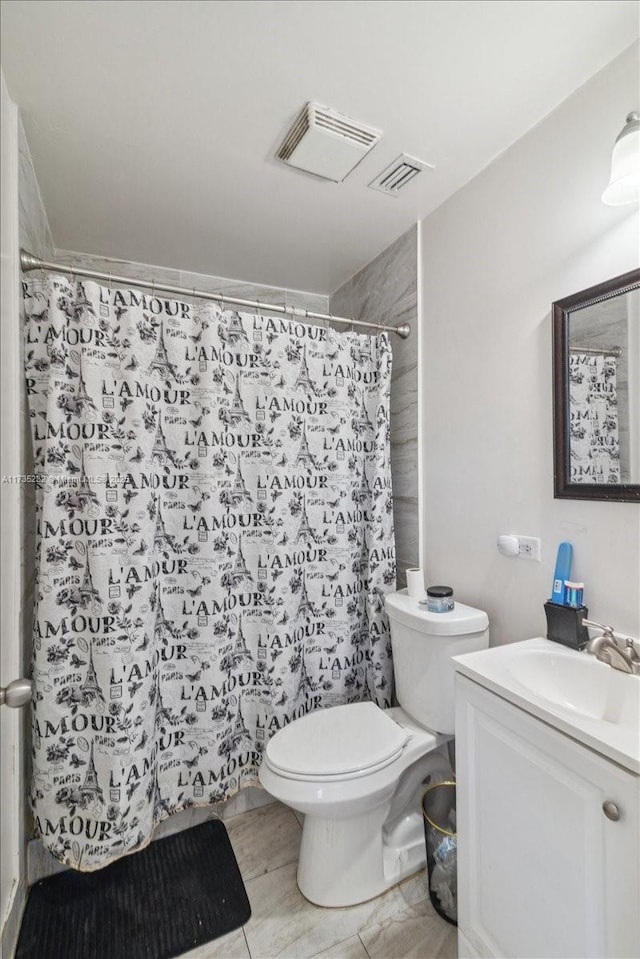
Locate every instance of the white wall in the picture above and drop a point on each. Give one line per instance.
(528, 230)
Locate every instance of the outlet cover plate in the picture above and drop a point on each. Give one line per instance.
(529, 548)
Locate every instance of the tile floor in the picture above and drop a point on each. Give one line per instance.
(401, 924)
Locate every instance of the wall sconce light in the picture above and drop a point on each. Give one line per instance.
(624, 183)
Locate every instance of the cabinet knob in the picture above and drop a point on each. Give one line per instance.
(610, 810)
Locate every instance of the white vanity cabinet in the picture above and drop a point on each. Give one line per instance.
(542, 870)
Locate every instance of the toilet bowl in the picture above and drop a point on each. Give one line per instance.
(356, 771)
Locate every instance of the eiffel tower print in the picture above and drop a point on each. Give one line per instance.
(90, 788)
(360, 420)
(82, 490)
(87, 593)
(303, 380)
(239, 491)
(81, 305)
(362, 495)
(240, 570)
(163, 713)
(239, 734)
(160, 451)
(360, 565)
(305, 609)
(162, 626)
(236, 412)
(305, 685)
(305, 456)
(82, 398)
(161, 364)
(240, 651)
(234, 330)
(90, 688)
(161, 539)
(305, 532)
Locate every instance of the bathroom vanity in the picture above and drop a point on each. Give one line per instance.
(548, 771)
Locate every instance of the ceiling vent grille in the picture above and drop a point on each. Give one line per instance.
(326, 143)
(398, 175)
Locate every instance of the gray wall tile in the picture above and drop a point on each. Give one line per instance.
(195, 281)
(386, 291)
(35, 235)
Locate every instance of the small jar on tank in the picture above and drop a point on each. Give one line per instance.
(439, 599)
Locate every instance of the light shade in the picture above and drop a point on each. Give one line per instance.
(624, 183)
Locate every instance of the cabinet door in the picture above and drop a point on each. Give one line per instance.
(541, 870)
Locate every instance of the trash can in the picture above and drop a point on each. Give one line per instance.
(439, 812)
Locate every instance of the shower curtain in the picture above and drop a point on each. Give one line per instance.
(215, 539)
(593, 408)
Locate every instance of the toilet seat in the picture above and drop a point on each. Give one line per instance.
(340, 743)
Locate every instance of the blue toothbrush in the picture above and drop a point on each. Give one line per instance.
(562, 573)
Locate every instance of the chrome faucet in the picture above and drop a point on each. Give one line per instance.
(608, 650)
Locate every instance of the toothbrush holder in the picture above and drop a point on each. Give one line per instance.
(565, 625)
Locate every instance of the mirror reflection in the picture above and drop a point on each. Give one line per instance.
(603, 393)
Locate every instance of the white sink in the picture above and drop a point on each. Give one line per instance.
(570, 690)
(580, 684)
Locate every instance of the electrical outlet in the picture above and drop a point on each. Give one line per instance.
(529, 548)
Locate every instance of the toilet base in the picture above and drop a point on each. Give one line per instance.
(333, 872)
(347, 861)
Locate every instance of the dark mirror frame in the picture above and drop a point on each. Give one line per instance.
(563, 488)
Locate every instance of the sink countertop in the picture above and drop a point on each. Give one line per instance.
(503, 670)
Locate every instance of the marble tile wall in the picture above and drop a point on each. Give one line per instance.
(386, 291)
(35, 235)
(315, 302)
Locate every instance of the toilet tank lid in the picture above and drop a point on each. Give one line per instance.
(460, 621)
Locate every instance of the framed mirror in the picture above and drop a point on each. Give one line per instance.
(596, 384)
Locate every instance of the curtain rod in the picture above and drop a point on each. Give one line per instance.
(614, 351)
(29, 262)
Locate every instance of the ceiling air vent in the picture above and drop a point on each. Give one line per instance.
(398, 174)
(326, 143)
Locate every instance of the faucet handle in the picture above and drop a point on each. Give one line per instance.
(607, 631)
(631, 650)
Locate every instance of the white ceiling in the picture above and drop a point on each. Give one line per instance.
(153, 124)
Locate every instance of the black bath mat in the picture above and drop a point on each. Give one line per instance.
(174, 895)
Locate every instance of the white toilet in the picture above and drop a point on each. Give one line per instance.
(356, 771)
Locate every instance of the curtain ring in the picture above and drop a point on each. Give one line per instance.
(153, 286)
(222, 302)
(258, 306)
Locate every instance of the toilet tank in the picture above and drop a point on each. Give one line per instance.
(424, 645)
